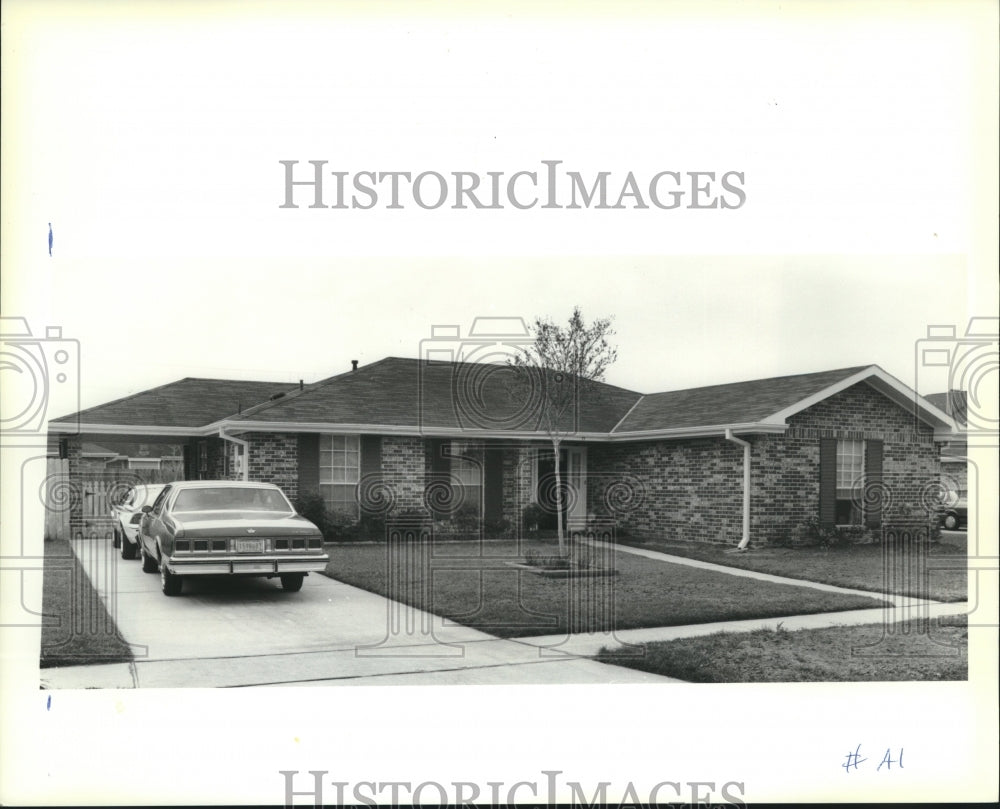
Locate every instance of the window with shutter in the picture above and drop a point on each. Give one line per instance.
(850, 481)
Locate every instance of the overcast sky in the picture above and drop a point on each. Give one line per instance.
(172, 258)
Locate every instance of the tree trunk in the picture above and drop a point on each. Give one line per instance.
(559, 502)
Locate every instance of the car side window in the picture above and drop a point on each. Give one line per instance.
(159, 502)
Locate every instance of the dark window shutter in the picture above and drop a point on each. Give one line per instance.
(493, 484)
(440, 466)
(873, 479)
(188, 464)
(371, 469)
(827, 481)
(440, 463)
(308, 464)
(371, 455)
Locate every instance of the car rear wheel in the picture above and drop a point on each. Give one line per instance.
(950, 522)
(292, 582)
(148, 562)
(128, 549)
(170, 583)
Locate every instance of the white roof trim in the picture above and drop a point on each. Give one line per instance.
(74, 428)
(885, 384)
(700, 431)
(534, 435)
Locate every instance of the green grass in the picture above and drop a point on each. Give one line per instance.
(468, 583)
(856, 566)
(910, 651)
(76, 629)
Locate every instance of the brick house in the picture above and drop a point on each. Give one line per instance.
(955, 451)
(725, 463)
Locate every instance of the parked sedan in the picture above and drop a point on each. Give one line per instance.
(955, 512)
(201, 528)
(127, 515)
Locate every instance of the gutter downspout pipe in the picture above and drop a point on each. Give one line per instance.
(245, 472)
(746, 487)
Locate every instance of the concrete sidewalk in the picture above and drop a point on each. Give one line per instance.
(895, 600)
(589, 644)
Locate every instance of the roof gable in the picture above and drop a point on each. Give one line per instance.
(734, 403)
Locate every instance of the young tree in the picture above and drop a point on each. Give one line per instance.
(554, 371)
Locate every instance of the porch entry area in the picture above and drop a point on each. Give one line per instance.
(573, 471)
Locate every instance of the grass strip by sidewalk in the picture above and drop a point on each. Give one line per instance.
(909, 650)
(469, 584)
(76, 629)
(860, 567)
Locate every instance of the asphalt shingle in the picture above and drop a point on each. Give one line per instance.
(733, 403)
(190, 402)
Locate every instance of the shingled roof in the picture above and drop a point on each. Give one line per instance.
(955, 403)
(733, 403)
(408, 395)
(190, 402)
(402, 392)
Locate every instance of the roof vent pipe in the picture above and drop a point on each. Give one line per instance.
(301, 385)
(354, 365)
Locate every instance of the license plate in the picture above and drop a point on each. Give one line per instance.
(249, 545)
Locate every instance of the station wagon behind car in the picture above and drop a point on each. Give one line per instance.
(126, 514)
(227, 528)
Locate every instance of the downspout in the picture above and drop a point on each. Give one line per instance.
(246, 451)
(746, 487)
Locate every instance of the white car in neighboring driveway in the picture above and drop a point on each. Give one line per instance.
(127, 515)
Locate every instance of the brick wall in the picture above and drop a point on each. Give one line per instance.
(785, 469)
(687, 490)
(403, 468)
(692, 489)
(274, 458)
(518, 461)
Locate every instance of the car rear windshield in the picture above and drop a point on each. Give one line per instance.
(230, 499)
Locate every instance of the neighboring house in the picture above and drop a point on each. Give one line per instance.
(842, 446)
(954, 452)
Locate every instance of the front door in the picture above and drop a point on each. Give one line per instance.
(575, 470)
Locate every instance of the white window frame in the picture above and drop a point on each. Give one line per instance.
(856, 471)
(345, 448)
(466, 472)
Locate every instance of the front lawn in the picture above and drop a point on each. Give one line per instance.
(905, 651)
(76, 629)
(470, 583)
(856, 566)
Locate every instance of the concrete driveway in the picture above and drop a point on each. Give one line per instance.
(243, 632)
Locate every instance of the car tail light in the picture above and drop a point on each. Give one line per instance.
(218, 545)
(182, 545)
(201, 544)
(298, 544)
(281, 544)
(315, 542)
